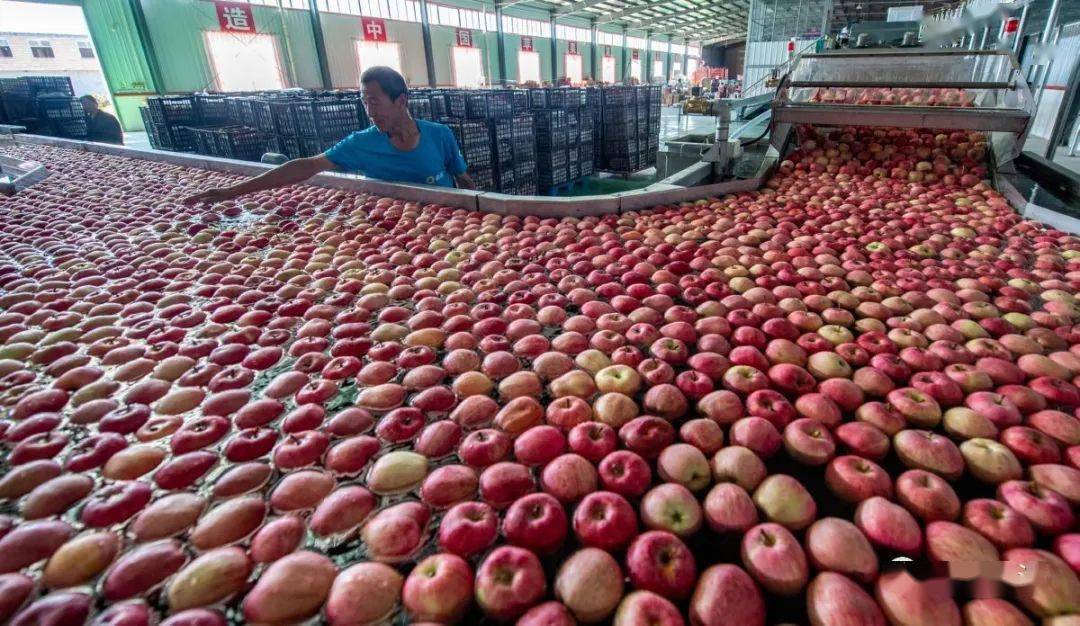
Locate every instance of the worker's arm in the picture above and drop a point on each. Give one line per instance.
(290, 173)
(464, 181)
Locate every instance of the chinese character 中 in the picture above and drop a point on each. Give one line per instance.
(374, 29)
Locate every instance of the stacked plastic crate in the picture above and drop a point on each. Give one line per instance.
(552, 130)
(44, 105)
(620, 129)
(653, 126)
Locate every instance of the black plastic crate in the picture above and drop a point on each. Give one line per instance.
(239, 142)
(549, 119)
(183, 139)
(283, 114)
(553, 138)
(264, 116)
(538, 98)
(520, 98)
(158, 134)
(620, 132)
(489, 104)
(483, 176)
(211, 109)
(438, 105)
(456, 106)
(172, 110)
(326, 119)
(62, 116)
(420, 107)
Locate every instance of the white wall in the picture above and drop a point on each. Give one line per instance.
(341, 33)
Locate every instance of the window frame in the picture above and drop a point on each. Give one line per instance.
(36, 45)
(5, 49)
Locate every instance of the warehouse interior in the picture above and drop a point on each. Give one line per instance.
(540, 312)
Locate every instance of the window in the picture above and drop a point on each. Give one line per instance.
(41, 49)
(468, 67)
(528, 66)
(658, 46)
(635, 42)
(460, 18)
(635, 68)
(608, 39)
(694, 51)
(657, 69)
(572, 63)
(573, 33)
(607, 70)
(691, 67)
(5, 48)
(678, 48)
(244, 62)
(676, 69)
(522, 26)
(86, 51)
(373, 53)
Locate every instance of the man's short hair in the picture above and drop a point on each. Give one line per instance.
(392, 83)
(88, 98)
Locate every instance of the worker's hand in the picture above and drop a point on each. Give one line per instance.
(209, 196)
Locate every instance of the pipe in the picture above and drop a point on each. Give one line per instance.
(500, 44)
(595, 69)
(143, 29)
(1020, 30)
(1051, 21)
(646, 72)
(554, 51)
(320, 45)
(425, 34)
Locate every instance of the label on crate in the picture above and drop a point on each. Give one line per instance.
(526, 44)
(235, 17)
(374, 28)
(464, 37)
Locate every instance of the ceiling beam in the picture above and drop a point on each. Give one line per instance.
(618, 15)
(664, 26)
(577, 7)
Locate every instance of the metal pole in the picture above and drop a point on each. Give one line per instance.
(425, 32)
(646, 72)
(320, 45)
(667, 61)
(625, 58)
(1061, 123)
(1051, 21)
(554, 51)
(1020, 29)
(500, 44)
(595, 73)
(985, 36)
(685, 58)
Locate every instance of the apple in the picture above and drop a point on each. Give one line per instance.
(739, 465)
(774, 557)
(509, 581)
(888, 526)
(726, 594)
(646, 607)
(809, 442)
(863, 439)
(537, 522)
(673, 508)
(729, 509)
(684, 464)
(605, 520)
(590, 583)
(924, 449)
(907, 600)
(625, 473)
(832, 598)
(998, 522)
(837, 545)
(927, 495)
(784, 500)
(854, 479)
(994, 612)
(1045, 585)
(468, 528)
(1048, 511)
(439, 588)
(990, 461)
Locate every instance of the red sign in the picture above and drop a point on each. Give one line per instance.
(464, 37)
(635, 54)
(526, 44)
(1012, 25)
(572, 47)
(374, 29)
(234, 17)
(607, 51)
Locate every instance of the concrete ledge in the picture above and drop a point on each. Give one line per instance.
(661, 193)
(542, 206)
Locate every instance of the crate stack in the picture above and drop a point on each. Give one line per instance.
(620, 148)
(565, 136)
(43, 104)
(301, 127)
(655, 100)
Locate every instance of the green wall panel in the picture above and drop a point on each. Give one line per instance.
(122, 55)
(177, 27)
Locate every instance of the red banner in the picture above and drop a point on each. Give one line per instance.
(374, 29)
(526, 44)
(234, 17)
(572, 47)
(607, 51)
(464, 38)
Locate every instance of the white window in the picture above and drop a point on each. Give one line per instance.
(658, 46)
(244, 62)
(573, 68)
(608, 39)
(375, 53)
(468, 67)
(41, 49)
(678, 48)
(86, 51)
(635, 42)
(676, 69)
(635, 68)
(528, 66)
(607, 69)
(657, 68)
(691, 67)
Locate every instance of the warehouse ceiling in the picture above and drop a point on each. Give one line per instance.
(692, 20)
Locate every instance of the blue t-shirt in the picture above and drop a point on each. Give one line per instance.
(435, 160)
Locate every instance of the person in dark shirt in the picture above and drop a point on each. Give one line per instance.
(100, 126)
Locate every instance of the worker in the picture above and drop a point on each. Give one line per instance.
(395, 148)
(100, 126)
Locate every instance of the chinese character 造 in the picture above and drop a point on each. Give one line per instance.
(235, 18)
